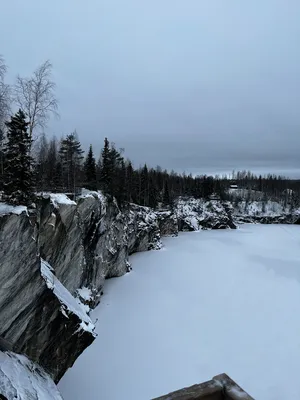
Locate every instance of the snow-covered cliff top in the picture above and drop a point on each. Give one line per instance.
(8, 209)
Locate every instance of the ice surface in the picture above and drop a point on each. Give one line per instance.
(22, 379)
(8, 209)
(211, 302)
(68, 301)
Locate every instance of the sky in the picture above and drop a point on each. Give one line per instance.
(202, 86)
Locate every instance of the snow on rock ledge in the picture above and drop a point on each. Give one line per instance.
(69, 303)
(6, 209)
(21, 379)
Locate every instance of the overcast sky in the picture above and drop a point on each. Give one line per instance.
(195, 85)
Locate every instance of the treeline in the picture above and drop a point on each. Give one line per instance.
(30, 162)
(60, 166)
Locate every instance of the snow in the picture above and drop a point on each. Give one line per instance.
(86, 193)
(85, 293)
(58, 199)
(212, 302)
(259, 208)
(68, 302)
(61, 198)
(8, 209)
(20, 379)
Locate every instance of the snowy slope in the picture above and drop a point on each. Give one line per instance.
(20, 379)
(209, 302)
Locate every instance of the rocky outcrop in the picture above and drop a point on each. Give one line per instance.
(142, 229)
(270, 212)
(168, 223)
(35, 320)
(195, 214)
(22, 379)
(90, 241)
(51, 259)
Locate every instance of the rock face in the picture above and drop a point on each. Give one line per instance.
(51, 258)
(269, 212)
(194, 214)
(168, 223)
(54, 263)
(34, 319)
(32, 382)
(90, 241)
(142, 229)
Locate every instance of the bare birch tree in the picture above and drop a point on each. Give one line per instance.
(4, 94)
(4, 112)
(36, 96)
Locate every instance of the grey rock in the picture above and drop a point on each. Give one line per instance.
(168, 223)
(22, 379)
(195, 214)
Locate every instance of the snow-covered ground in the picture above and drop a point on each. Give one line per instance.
(209, 302)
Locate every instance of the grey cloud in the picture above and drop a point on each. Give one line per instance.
(201, 86)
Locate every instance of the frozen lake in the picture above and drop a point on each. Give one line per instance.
(209, 302)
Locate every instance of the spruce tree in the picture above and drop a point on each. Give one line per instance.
(120, 181)
(129, 182)
(144, 193)
(90, 170)
(71, 157)
(166, 196)
(18, 173)
(106, 167)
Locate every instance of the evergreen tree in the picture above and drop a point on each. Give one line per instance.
(129, 182)
(106, 168)
(41, 166)
(71, 157)
(90, 170)
(144, 192)
(153, 193)
(53, 165)
(120, 181)
(166, 196)
(18, 173)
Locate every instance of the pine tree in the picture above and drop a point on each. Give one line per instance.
(144, 194)
(106, 168)
(71, 156)
(41, 164)
(120, 180)
(129, 182)
(18, 180)
(166, 196)
(153, 193)
(53, 166)
(90, 170)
